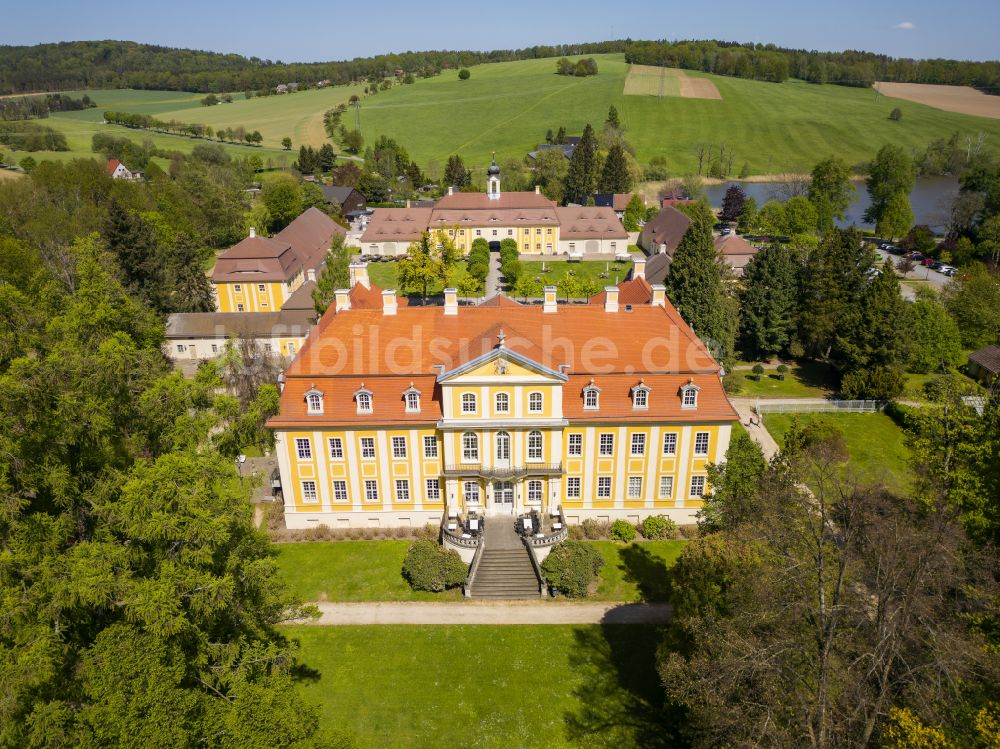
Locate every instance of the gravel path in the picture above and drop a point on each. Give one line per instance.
(490, 612)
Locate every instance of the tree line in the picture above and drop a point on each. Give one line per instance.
(111, 64)
(769, 62)
(33, 107)
(238, 134)
(31, 136)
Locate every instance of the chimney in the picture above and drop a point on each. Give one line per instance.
(253, 232)
(639, 267)
(343, 299)
(610, 298)
(538, 189)
(451, 189)
(310, 274)
(389, 304)
(549, 304)
(659, 295)
(451, 301)
(359, 274)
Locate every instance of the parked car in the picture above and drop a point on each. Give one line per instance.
(928, 262)
(938, 265)
(947, 270)
(726, 231)
(914, 256)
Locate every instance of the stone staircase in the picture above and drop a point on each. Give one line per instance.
(505, 569)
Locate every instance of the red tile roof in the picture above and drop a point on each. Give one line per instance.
(397, 225)
(112, 165)
(633, 291)
(481, 201)
(589, 223)
(386, 352)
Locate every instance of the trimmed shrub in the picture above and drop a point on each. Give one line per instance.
(571, 567)
(623, 530)
(429, 566)
(658, 527)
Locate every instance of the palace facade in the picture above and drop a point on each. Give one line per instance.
(393, 415)
(537, 224)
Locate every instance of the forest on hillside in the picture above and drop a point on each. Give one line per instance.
(114, 64)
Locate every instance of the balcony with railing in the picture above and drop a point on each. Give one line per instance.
(503, 473)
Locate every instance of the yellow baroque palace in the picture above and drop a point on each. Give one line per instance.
(398, 415)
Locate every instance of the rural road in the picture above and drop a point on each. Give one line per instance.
(491, 612)
(920, 273)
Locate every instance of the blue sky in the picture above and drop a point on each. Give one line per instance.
(297, 30)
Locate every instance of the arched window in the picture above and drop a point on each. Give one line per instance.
(470, 447)
(411, 397)
(502, 403)
(535, 403)
(364, 400)
(468, 403)
(640, 395)
(591, 397)
(534, 445)
(689, 395)
(314, 401)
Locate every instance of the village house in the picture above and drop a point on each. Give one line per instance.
(348, 200)
(118, 170)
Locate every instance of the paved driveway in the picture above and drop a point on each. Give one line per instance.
(491, 612)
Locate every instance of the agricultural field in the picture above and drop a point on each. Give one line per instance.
(487, 686)
(964, 99)
(650, 80)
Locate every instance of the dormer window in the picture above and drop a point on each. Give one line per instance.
(412, 398)
(314, 401)
(689, 395)
(363, 398)
(591, 397)
(640, 395)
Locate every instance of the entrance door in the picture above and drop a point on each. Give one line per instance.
(503, 498)
(503, 450)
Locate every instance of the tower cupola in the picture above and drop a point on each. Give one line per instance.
(493, 179)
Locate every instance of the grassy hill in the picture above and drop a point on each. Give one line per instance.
(507, 107)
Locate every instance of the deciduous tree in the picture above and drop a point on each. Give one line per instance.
(830, 191)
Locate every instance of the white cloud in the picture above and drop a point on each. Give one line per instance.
(905, 25)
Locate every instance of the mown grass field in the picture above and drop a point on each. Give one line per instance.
(584, 270)
(487, 686)
(875, 444)
(806, 380)
(372, 571)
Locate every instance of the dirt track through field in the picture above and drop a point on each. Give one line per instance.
(651, 80)
(961, 99)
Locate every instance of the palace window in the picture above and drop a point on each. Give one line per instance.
(689, 395)
(670, 443)
(402, 490)
(697, 486)
(538, 245)
(261, 288)
(638, 444)
(575, 445)
(535, 403)
(336, 448)
(399, 447)
(573, 487)
(701, 443)
(494, 232)
(603, 487)
(666, 487)
(471, 492)
(303, 447)
(635, 487)
(291, 349)
(368, 448)
(502, 403)
(534, 492)
(510, 232)
(534, 445)
(527, 246)
(470, 447)
(468, 403)
(240, 308)
(572, 246)
(479, 232)
(215, 348)
(364, 401)
(640, 396)
(371, 490)
(548, 231)
(433, 490)
(412, 397)
(181, 348)
(339, 491)
(606, 445)
(430, 447)
(314, 402)
(309, 492)
(538, 232)
(267, 347)
(238, 288)
(591, 397)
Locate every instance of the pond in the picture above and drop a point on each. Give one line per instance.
(931, 199)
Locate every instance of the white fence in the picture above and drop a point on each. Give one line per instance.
(817, 405)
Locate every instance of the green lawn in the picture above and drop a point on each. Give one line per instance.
(487, 686)
(386, 276)
(350, 571)
(875, 443)
(786, 127)
(636, 571)
(587, 269)
(808, 380)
